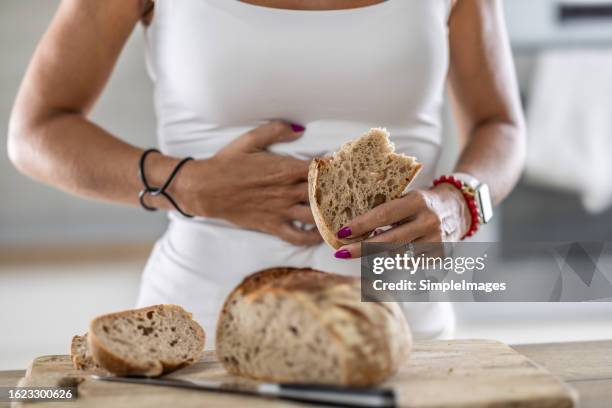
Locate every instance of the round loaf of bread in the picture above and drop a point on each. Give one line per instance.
(305, 326)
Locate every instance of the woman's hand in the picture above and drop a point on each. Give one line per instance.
(251, 187)
(421, 216)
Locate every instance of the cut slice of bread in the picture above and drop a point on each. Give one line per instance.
(148, 341)
(306, 326)
(363, 174)
(79, 352)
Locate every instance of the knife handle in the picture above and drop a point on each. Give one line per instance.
(338, 396)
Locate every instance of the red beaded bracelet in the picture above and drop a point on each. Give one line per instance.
(468, 195)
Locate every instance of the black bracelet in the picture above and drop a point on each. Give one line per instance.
(141, 164)
(157, 191)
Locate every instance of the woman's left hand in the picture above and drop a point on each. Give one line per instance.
(421, 216)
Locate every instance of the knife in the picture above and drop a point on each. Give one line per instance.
(311, 393)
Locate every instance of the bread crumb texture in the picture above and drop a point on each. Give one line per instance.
(363, 174)
(148, 341)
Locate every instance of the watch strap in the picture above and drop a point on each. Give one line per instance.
(468, 179)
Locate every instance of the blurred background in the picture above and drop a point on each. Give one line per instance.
(64, 260)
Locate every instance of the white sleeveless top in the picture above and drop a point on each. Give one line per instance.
(222, 67)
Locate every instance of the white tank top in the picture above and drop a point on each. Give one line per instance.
(222, 67)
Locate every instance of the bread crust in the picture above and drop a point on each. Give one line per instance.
(381, 328)
(250, 284)
(75, 355)
(415, 170)
(81, 359)
(324, 228)
(121, 366)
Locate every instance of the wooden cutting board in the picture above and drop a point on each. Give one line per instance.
(452, 374)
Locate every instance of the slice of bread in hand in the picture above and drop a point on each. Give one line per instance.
(363, 174)
(148, 341)
(306, 326)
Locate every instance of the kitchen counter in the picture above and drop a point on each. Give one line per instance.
(586, 366)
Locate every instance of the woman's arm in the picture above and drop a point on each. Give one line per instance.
(52, 140)
(50, 137)
(485, 95)
(486, 98)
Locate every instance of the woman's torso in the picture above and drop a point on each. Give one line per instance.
(222, 67)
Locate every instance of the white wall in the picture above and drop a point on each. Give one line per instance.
(33, 213)
(535, 24)
(42, 306)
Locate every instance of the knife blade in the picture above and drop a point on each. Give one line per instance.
(311, 393)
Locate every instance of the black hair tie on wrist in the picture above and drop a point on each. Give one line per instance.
(159, 191)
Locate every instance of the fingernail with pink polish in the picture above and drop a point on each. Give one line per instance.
(297, 128)
(343, 254)
(344, 232)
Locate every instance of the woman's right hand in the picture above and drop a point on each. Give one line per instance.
(251, 187)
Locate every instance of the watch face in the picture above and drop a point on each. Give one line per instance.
(484, 203)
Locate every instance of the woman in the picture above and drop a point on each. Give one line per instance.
(253, 90)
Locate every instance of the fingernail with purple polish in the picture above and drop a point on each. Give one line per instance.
(343, 254)
(297, 128)
(344, 232)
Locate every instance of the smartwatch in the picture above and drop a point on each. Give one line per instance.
(482, 195)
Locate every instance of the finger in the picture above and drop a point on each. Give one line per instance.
(299, 193)
(272, 170)
(301, 213)
(295, 170)
(376, 232)
(402, 234)
(429, 239)
(385, 214)
(429, 246)
(263, 136)
(273, 196)
(297, 237)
